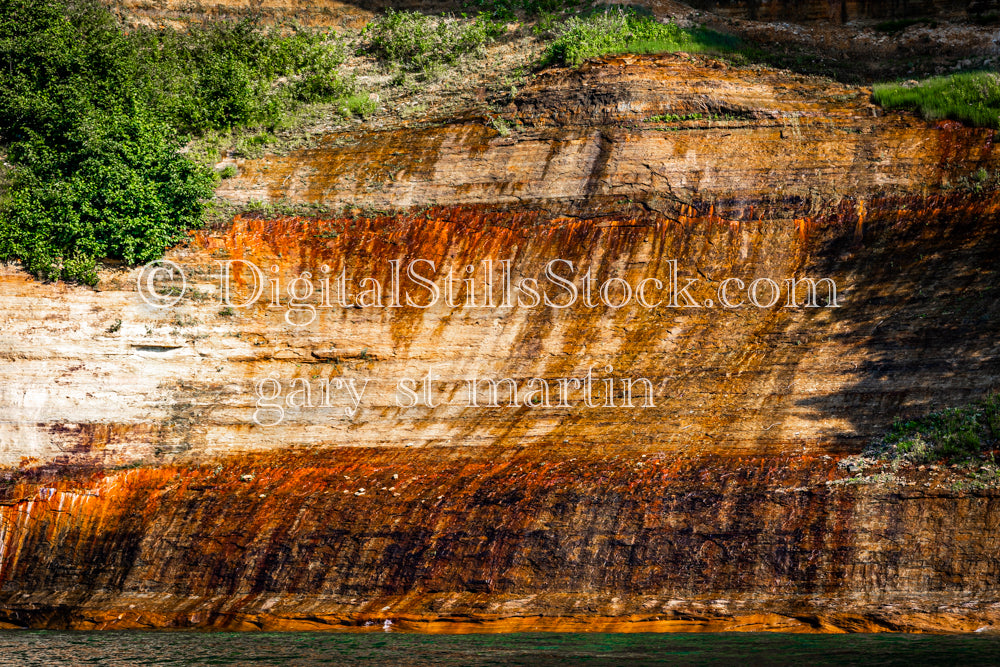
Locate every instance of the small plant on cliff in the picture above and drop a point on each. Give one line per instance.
(955, 434)
(358, 104)
(673, 118)
(622, 30)
(899, 25)
(508, 10)
(418, 43)
(969, 97)
(979, 181)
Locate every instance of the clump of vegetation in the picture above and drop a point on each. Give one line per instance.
(667, 118)
(970, 97)
(956, 434)
(979, 181)
(988, 18)
(500, 125)
(415, 42)
(93, 119)
(673, 118)
(621, 30)
(508, 10)
(225, 74)
(899, 25)
(358, 104)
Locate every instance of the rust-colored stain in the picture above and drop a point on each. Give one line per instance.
(393, 533)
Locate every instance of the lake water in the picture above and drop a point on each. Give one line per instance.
(203, 648)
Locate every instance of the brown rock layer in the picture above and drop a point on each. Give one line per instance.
(497, 539)
(605, 132)
(840, 11)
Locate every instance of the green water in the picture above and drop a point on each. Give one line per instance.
(194, 648)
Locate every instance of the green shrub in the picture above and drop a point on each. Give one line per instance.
(93, 121)
(360, 104)
(416, 42)
(955, 434)
(223, 74)
(96, 172)
(117, 187)
(899, 25)
(970, 97)
(627, 31)
(508, 10)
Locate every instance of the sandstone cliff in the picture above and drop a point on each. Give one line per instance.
(154, 498)
(845, 10)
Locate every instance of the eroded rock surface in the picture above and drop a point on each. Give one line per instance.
(156, 499)
(844, 10)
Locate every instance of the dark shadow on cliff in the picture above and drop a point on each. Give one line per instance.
(922, 301)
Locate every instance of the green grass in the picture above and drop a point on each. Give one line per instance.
(358, 104)
(622, 31)
(956, 434)
(673, 118)
(970, 97)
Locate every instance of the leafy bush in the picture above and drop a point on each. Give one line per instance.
(93, 121)
(360, 104)
(416, 42)
(627, 31)
(114, 187)
(96, 172)
(223, 74)
(899, 25)
(507, 10)
(950, 435)
(970, 97)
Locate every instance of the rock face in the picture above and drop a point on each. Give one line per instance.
(167, 488)
(842, 10)
(609, 132)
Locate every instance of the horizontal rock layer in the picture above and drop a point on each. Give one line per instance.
(494, 539)
(148, 491)
(613, 130)
(844, 10)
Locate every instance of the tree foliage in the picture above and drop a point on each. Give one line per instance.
(93, 119)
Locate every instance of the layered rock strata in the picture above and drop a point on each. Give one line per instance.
(151, 482)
